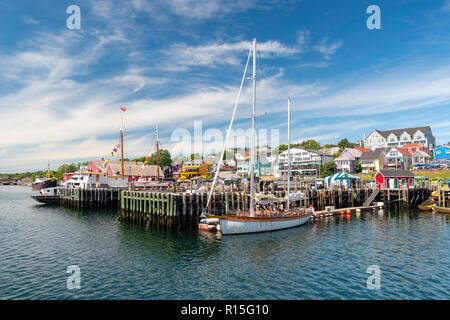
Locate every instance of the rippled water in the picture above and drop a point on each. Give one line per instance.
(324, 260)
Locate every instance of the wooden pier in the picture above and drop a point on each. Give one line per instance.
(181, 210)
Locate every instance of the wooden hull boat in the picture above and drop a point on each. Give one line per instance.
(441, 209)
(425, 208)
(245, 224)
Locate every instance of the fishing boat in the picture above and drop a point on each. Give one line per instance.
(49, 181)
(87, 180)
(441, 209)
(268, 217)
(48, 195)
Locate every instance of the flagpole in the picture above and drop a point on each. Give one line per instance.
(157, 152)
(121, 143)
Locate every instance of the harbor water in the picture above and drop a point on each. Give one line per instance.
(327, 259)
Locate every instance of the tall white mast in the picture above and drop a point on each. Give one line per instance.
(252, 160)
(229, 130)
(289, 152)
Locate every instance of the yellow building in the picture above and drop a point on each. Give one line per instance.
(372, 161)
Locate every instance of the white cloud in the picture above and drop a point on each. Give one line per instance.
(181, 56)
(327, 47)
(446, 6)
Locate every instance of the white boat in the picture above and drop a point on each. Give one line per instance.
(242, 224)
(95, 180)
(267, 218)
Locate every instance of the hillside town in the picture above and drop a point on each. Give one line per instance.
(409, 149)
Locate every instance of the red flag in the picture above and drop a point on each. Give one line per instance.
(123, 109)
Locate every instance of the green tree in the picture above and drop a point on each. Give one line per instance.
(344, 143)
(283, 147)
(164, 158)
(310, 144)
(358, 167)
(328, 169)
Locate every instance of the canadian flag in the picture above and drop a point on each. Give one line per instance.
(123, 109)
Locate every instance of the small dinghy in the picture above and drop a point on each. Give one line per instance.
(441, 209)
(427, 205)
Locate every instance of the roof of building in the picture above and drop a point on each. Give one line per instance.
(318, 152)
(372, 155)
(362, 149)
(354, 154)
(404, 151)
(421, 153)
(131, 168)
(398, 132)
(396, 173)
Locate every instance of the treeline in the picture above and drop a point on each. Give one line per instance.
(68, 167)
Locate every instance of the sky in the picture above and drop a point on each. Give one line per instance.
(174, 62)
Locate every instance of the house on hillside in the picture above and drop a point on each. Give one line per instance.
(442, 153)
(420, 157)
(26, 180)
(347, 159)
(330, 149)
(372, 161)
(397, 158)
(303, 161)
(262, 167)
(401, 137)
(394, 179)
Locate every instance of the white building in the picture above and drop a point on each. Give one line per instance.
(400, 137)
(303, 162)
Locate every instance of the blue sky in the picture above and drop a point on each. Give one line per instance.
(171, 62)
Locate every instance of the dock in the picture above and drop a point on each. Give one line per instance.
(180, 210)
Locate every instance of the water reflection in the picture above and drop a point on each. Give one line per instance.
(325, 259)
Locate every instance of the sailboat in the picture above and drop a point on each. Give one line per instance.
(143, 183)
(257, 219)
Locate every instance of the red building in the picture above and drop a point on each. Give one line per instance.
(132, 169)
(413, 147)
(394, 179)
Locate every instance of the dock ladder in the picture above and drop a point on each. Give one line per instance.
(371, 197)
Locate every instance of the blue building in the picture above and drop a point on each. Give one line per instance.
(442, 153)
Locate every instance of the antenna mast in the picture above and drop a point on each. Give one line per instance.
(252, 159)
(157, 152)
